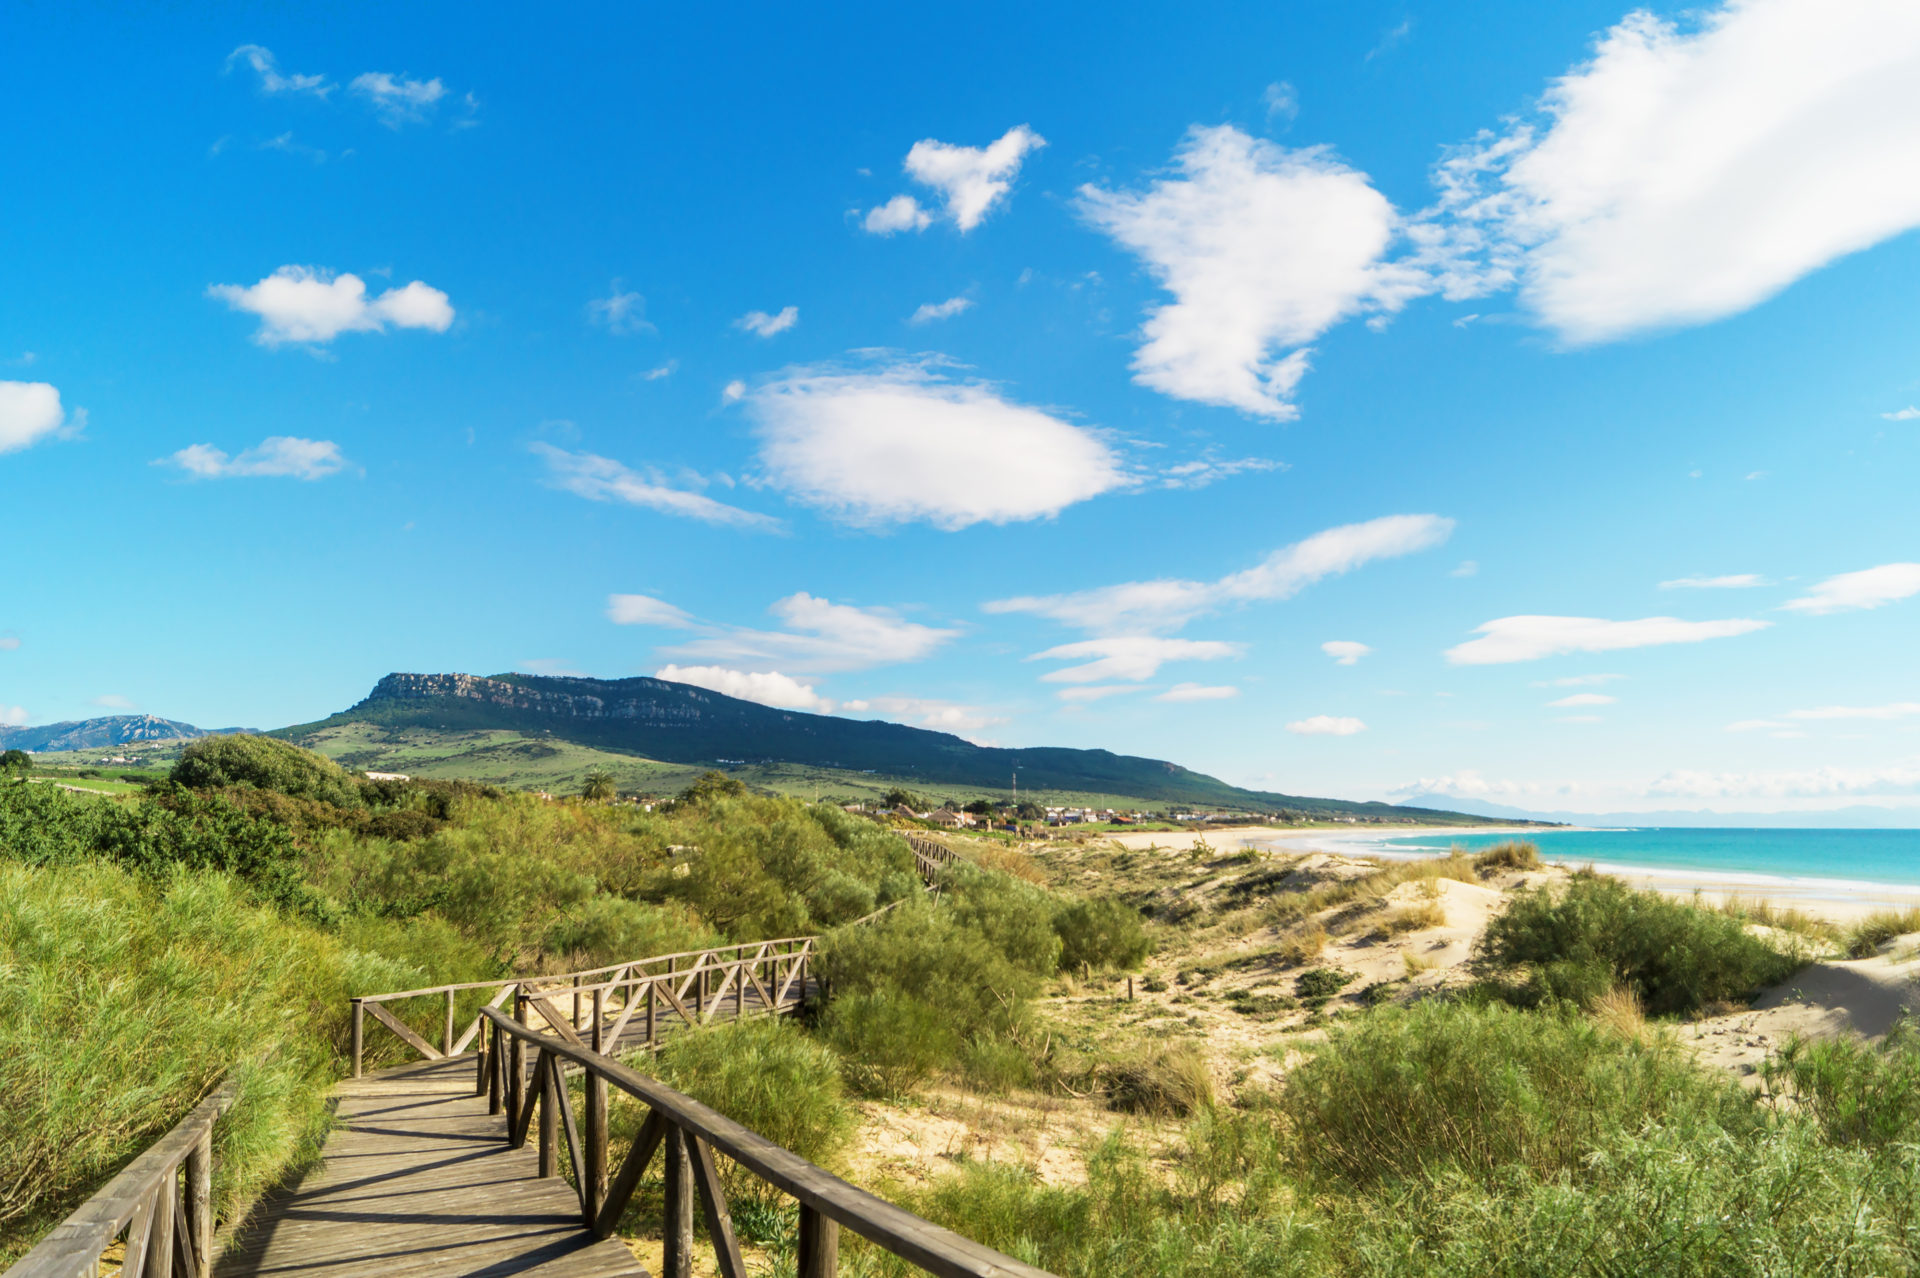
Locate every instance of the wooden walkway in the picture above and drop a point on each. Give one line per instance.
(417, 1180)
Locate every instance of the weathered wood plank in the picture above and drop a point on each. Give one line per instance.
(395, 1024)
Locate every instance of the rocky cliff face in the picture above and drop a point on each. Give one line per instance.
(644, 700)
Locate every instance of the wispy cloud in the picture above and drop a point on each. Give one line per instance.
(1128, 657)
(621, 312)
(1199, 692)
(924, 712)
(768, 687)
(1168, 604)
(1736, 581)
(1858, 591)
(272, 79)
(309, 304)
(1906, 414)
(928, 312)
(818, 635)
(761, 324)
(398, 99)
(603, 479)
(276, 457)
(1326, 725)
(1584, 699)
(1578, 681)
(1529, 638)
(1281, 100)
(1890, 710)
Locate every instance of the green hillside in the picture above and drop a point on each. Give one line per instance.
(653, 734)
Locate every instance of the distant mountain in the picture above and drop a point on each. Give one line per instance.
(1859, 816)
(97, 734)
(680, 723)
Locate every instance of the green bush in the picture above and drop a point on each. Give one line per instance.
(1477, 1090)
(768, 1075)
(1865, 936)
(1100, 933)
(1599, 933)
(890, 1043)
(1172, 1081)
(266, 763)
(1861, 1093)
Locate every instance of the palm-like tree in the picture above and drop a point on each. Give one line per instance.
(599, 785)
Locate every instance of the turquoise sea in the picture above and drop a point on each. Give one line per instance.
(1810, 861)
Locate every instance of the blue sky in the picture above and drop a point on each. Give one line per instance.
(1042, 376)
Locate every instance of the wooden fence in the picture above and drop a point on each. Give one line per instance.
(167, 1225)
(690, 1134)
(667, 990)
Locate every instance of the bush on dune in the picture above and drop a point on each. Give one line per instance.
(1597, 933)
(1102, 933)
(265, 763)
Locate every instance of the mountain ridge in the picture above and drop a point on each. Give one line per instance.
(682, 723)
(97, 734)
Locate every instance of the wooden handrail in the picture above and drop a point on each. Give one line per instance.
(567, 976)
(690, 1132)
(168, 1227)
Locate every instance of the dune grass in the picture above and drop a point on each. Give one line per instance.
(1865, 936)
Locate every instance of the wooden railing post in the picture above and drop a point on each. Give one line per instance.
(446, 1037)
(480, 1062)
(819, 1244)
(676, 1233)
(496, 1084)
(517, 1062)
(740, 989)
(652, 1002)
(550, 1102)
(594, 1192)
(160, 1247)
(359, 1033)
(199, 1222)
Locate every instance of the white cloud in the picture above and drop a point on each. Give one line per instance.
(1584, 699)
(1128, 657)
(398, 100)
(271, 79)
(970, 179)
(1755, 725)
(29, 413)
(1204, 471)
(1892, 710)
(906, 441)
(1264, 249)
(901, 213)
(761, 324)
(645, 610)
(1685, 174)
(941, 716)
(620, 312)
(1326, 725)
(275, 457)
(1853, 591)
(733, 391)
(1578, 681)
(1095, 692)
(1735, 581)
(819, 636)
(1281, 101)
(769, 688)
(1168, 604)
(603, 479)
(113, 701)
(1529, 638)
(1345, 652)
(927, 312)
(306, 304)
(1467, 568)
(1906, 414)
(1199, 692)
(12, 716)
(663, 370)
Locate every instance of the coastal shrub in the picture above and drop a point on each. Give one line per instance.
(768, 1075)
(602, 929)
(932, 956)
(1102, 933)
(1598, 933)
(890, 1043)
(1171, 1080)
(1865, 936)
(1411, 918)
(1318, 984)
(1511, 855)
(266, 763)
(1453, 1087)
(1015, 917)
(1861, 1093)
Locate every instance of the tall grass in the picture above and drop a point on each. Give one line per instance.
(124, 1001)
(1867, 935)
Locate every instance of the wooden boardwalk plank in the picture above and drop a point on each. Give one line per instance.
(418, 1180)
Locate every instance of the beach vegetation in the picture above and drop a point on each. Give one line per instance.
(1574, 944)
(1865, 936)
